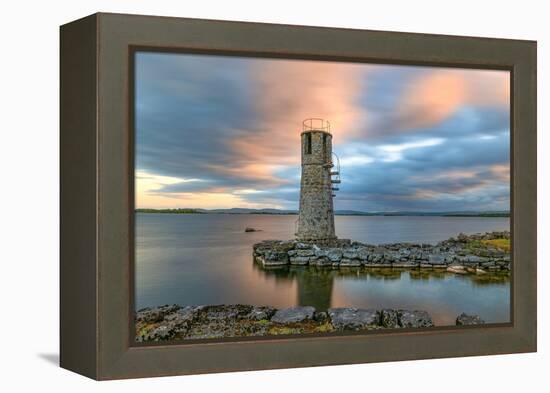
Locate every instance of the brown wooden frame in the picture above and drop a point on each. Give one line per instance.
(97, 194)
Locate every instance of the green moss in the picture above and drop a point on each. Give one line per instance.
(501, 244)
(476, 246)
(144, 329)
(324, 328)
(279, 330)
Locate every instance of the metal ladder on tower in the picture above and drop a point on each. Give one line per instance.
(335, 175)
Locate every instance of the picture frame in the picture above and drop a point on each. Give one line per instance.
(97, 191)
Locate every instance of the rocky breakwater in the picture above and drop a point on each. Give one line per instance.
(174, 322)
(477, 253)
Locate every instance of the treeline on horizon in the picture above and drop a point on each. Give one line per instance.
(338, 213)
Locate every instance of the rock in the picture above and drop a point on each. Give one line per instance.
(281, 246)
(350, 262)
(274, 258)
(320, 261)
(155, 314)
(320, 252)
(294, 314)
(184, 314)
(176, 320)
(465, 319)
(284, 245)
(250, 229)
(274, 262)
(363, 254)
(392, 256)
(351, 254)
(480, 271)
(260, 312)
(388, 319)
(452, 254)
(301, 253)
(457, 269)
(320, 316)
(436, 259)
(376, 258)
(473, 259)
(299, 260)
(354, 318)
(405, 264)
(224, 312)
(378, 265)
(162, 332)
(334, 254)
(405, 252)
(182, 319)
(414, 319)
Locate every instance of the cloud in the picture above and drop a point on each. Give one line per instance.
(395, 152)
(433, 98)
(436, 95)
(222, 131)
(287, 92)
(351, 161)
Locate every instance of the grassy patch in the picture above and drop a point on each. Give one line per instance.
(277, 330)
(501, 244)
(473, 244)
(478, 245)
(324, 328)
(301, 328)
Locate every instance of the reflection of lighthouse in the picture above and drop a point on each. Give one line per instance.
(316, 220)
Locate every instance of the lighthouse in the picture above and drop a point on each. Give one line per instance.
(318, 183)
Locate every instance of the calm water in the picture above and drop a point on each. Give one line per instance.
(192, 259)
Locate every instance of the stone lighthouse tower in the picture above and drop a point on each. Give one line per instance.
(316, 219)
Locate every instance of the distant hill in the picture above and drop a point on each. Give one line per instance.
(427, 214)
(237, 210)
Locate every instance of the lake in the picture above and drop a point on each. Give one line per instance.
(193, 259)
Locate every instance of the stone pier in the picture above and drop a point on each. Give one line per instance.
(478, 253)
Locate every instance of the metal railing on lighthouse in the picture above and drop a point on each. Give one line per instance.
(316, 124)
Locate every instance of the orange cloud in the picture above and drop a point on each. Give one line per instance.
(501, 172)
(438, 94)
(259, 171)
(286, 93)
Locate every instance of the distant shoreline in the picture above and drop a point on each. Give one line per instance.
(274, 212)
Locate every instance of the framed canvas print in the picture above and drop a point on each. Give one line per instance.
(241, 196)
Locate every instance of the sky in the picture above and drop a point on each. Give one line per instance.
(224, 132)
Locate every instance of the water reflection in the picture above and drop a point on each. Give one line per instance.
(315, 285)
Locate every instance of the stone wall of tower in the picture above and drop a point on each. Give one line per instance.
(316, 217)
